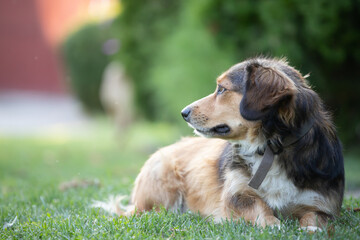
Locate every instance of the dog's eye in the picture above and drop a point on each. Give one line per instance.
(220, 90)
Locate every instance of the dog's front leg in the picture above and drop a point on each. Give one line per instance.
(250, 207)
(313, 221)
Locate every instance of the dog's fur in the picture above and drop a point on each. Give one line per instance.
(258, 101)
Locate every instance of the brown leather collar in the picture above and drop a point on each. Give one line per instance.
(270, 152)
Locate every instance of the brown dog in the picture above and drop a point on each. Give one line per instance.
(259, 104)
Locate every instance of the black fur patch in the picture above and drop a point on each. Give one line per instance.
(315, 161)
(237, 78)
(231, 160)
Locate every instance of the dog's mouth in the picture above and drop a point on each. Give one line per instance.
(220, 130)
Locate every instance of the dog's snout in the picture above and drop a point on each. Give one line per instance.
(186, 113)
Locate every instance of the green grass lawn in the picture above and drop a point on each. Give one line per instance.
(33, 169)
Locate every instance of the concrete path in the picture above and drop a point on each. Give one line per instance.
(38, 114)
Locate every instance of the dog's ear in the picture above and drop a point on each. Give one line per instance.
(265, 89)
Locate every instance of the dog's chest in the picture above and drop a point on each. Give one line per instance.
(280, 193)
(276, 189)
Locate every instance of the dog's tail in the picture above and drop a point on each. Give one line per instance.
(114, 206)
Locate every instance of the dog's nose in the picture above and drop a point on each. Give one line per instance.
(186, 113)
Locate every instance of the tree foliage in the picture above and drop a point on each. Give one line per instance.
(144, 25)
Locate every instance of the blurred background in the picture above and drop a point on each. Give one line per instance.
(117, 73)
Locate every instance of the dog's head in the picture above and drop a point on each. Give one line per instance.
(247, 95)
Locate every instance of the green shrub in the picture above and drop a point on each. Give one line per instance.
(143, 27)
(85, 63)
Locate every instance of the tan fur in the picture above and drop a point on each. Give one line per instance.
(187, 172)
(313, 219)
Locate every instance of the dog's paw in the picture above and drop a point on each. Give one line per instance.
(276, 226)
(272, 224)
(270, 221)
(311, 229)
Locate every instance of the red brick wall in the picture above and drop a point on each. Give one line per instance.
(27, 61)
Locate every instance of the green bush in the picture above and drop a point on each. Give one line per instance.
(143, 27)
(85, 63)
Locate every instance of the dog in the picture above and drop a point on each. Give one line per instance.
(261, 109)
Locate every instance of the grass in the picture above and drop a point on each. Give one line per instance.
(32, 169)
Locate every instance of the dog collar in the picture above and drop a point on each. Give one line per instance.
(270, 152)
